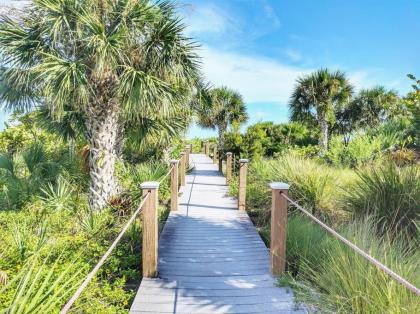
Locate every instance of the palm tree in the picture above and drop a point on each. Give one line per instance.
(368, 108)
(374, 105)
(155, 137)
(104, 61)
(224, 107)
(315, 97)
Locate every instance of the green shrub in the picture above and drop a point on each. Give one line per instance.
(267, 139)
(311, 184)
(306, 244)
(360, 150)
(337, 280)
(390, 193)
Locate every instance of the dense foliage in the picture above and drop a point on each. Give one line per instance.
(103, 93)
(107, 65)
(366, 185)
(51, 239)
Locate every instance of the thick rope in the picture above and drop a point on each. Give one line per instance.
(89, 277)
(371, 259)
(166, 175)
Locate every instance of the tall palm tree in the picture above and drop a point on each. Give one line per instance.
(107, 61)
(315, 97)
(224, 107)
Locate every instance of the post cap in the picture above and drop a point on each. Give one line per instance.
(279, 186)
(174, 161)
(149, 185)
(182, 153)
(228, 154)
(244, 161)
(187, 146)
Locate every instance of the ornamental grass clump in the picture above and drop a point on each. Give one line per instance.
(334, 279)
(388, 192)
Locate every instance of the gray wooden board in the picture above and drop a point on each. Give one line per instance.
(211, 258)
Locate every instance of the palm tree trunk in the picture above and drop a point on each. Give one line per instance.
(102, 127)
(119, 144)
(221, 145)
(323, 137)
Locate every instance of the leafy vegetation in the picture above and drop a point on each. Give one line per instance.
(106, 66)
(331, 277)
(365, 184)
(222, 108)
(103, 94)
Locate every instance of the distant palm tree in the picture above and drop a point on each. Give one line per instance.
(315, 97)
(374, 105)
(224, 107)
(368, 108)
(106, 62)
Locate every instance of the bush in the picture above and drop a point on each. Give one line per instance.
(359, 151)
(313, 185)
(267, 139)
(335, 279)
(390, 193)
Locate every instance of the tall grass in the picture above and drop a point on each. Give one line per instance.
(390, 193)
(334, 279)
(327, 275)
(315, 186)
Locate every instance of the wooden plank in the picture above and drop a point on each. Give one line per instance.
(211, 258)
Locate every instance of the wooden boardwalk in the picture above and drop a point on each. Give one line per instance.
(211, 258)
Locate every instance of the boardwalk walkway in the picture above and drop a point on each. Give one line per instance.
(211, 258)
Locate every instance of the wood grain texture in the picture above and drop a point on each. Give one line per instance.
(150, 234)
(243, 169)
(174, 186)
(228, 167)
(211, 258)
(182, 170)
(278, 232)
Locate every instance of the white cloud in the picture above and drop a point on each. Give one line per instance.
(360, 79)
(258, 79)
(207, 18)
(293, 55)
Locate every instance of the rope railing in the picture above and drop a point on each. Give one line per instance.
(90, 276)
(166, 175)
(355, 248)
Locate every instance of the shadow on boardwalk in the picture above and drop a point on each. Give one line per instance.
(211, 258)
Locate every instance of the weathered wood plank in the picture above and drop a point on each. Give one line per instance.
(211, 258)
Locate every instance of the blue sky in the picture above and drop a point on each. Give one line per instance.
(260, 47)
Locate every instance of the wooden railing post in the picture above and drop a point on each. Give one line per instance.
(215, 154)
(243, 167)
(206, 148)
(187, 158)
(174, 185)
(228, 167)
(278, 227)
(182, 169)
(150, 229)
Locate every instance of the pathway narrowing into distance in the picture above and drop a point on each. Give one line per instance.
(211, 258)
